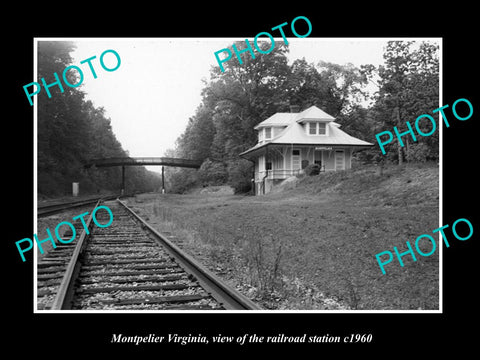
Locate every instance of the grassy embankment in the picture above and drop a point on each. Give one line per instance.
(313, 244)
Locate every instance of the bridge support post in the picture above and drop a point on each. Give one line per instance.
(122, 192)
(163, 179)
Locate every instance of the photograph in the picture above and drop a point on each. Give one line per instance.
(169, 179)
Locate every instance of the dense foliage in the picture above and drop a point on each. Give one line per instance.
(408, 87)
(72, 131)
(245, 94)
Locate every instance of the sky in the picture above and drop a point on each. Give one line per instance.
(158, 85)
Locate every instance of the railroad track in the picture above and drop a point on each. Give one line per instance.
(47, 210)
(128, 266)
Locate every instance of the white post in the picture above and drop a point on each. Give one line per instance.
(75, 188)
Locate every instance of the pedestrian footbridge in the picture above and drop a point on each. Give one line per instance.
(143, 161)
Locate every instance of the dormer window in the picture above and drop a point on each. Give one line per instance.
(268, 133)
(322, 128)
(316, 128)
(265, 134)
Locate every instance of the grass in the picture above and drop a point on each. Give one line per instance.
(312, 245)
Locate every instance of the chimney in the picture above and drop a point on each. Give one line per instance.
(294, 108)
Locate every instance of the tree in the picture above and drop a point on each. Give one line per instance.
(72, 131)
(408, 88)
(196, 141)
(236, 100)
(331, 87)
(233, 102)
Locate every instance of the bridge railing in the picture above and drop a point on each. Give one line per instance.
(117, 161)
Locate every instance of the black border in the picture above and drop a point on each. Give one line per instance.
(404, 333)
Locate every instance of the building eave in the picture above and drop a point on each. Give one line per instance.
(265, 145)
(304, 120)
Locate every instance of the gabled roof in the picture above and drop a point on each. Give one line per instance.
(278, 119)
(294, 133)
(313, 113)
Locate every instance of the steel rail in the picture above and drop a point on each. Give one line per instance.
(54, 208)
(228, 297)
(66, 289)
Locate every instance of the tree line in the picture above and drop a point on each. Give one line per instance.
(236, 100)
(71, 131)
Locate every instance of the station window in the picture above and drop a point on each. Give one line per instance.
(268, 133)
(322, 129)
(316, 128)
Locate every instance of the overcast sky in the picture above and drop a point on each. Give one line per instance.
(157, 87)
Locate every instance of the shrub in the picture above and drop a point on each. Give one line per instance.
(240, 173)
(212, 173)
(312, 169)
(181, 180)
(420, 153)
(263, 257)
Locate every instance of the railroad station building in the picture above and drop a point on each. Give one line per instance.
(289, 142)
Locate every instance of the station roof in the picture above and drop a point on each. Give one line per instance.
(294, 133)
(313, 113)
